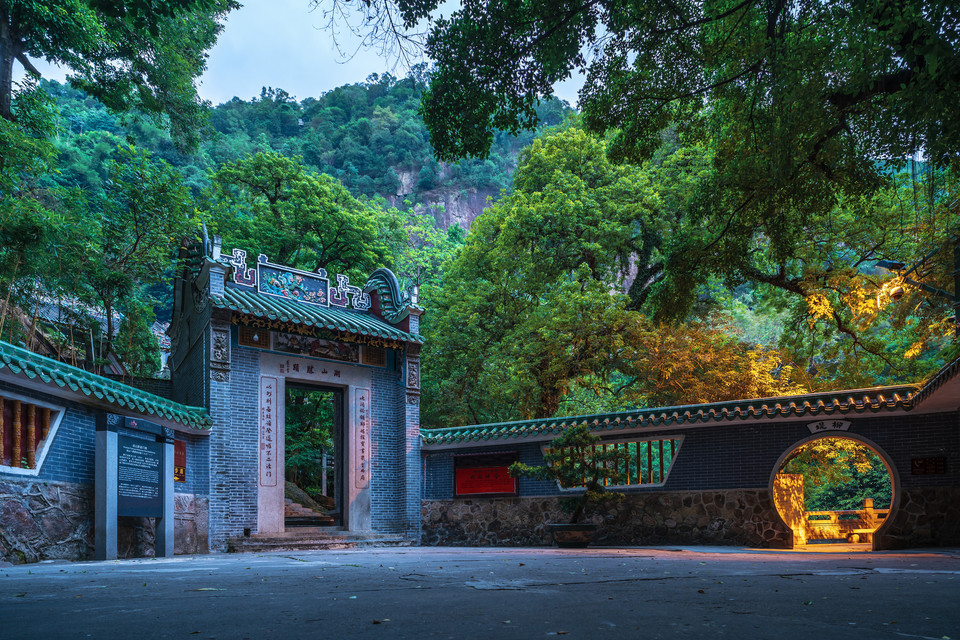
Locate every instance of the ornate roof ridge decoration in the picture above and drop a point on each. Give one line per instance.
(290, 314)
(946, 372)
(395, 305)
(305, 287)
(23, 363)
(806, 405)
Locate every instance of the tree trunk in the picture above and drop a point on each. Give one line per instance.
(7, 55)
(105, 352)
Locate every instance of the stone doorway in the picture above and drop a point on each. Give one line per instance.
(314, 456)
(834, 490)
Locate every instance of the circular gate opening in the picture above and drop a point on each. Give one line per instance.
(833, 489)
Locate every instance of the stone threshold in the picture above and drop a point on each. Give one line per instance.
(314, 539)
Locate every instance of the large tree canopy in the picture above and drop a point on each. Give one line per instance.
(130, 54)
(530, 319)
(828, 82)
(273, 204)
(806, 110)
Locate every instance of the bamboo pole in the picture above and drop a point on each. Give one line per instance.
(639, 464)
(44, 423)
(3, 428)
(661, 460)
(31, 436)
(650, 462)
(15, 459)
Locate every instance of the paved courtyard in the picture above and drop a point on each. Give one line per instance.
(492, 593)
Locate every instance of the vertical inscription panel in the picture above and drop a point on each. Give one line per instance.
(361, 438)
(268, 431)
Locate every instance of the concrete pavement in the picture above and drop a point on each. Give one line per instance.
(492, 593)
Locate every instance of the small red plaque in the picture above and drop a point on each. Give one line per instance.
(179, 461)
(476, 480)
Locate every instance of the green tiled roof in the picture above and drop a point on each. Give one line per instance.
(24, 363)
(810, 405)
(273, 308)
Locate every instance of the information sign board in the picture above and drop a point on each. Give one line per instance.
(139, 489)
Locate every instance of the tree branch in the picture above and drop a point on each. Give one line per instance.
(25, 61)
(701, 21)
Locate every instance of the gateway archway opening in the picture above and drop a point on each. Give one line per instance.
(314, 456)
(833, 489)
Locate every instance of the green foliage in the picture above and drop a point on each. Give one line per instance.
(805, 90)
(369, 135)
(576, 460)
(272, 204)
(529, 321)
(309, 433)
(136, 345)
(134, 56)
(133, 234)
(839, 473)
(801, 114)
(423, 249)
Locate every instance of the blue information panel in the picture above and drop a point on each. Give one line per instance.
(139, 489)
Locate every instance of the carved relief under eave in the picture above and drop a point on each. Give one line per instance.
(413, 399)
(413, 373)
(220, 355)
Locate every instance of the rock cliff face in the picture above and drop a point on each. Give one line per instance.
(449, 205)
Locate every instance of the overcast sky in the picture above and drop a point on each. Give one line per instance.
(282, 44)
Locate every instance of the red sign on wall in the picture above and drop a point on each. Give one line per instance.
(476, 480)
(179, 461)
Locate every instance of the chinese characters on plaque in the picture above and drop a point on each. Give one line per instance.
(484, 480)
(829, 425)
(268, 432)
(295, 366)
(362, 437)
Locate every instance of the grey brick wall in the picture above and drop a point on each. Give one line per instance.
(743, 456)
(233, 448)
(387, 484)
(198, 465)
(395, 488)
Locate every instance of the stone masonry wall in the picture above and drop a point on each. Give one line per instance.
(55, 520)
(744, 517)
(925, 517)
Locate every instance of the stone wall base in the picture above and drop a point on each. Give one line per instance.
(925, 517)
(54, 520)
(744, 517)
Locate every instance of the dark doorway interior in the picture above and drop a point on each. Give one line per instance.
(314, 455)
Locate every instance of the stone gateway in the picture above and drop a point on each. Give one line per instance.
(244, 334)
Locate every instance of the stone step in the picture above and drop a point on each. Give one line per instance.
(307, 520)
(293, 509)
(314, 539)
